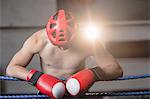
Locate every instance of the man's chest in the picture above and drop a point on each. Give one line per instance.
(57, 58)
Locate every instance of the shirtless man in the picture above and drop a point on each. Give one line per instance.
(62, 51)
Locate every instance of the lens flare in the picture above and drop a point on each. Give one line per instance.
(91, 32)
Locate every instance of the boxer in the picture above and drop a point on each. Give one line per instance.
(62, 50)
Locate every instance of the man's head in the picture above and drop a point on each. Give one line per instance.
(61, 28)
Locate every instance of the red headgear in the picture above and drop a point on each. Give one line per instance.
(61, 28)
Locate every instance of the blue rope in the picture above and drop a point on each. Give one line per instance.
(85, 94)
(121, 78)
(22, 96)
(130, 93)
(134, 77)
(9, 78)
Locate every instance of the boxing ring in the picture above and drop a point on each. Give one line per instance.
(86, 94)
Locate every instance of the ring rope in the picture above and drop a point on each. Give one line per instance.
(22, 96)
(25, 96)
(127, 77)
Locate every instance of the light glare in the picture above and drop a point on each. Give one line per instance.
(91, 32)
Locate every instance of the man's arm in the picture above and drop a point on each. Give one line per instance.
(17, 66)
(45, 83)
(109, 68)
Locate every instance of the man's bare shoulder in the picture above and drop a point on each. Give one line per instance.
(36, 41)
(40, 35)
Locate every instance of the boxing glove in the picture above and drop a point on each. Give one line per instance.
(46, 84)
(81, 81)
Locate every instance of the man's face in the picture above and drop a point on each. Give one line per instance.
(64, 46)
(61, 29)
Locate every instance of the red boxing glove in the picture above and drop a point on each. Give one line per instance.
(47, 84)
(80, 82)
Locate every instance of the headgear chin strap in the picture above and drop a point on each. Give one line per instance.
(61, 28)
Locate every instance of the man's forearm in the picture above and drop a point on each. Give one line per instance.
(109, 72)
(17, 71)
